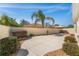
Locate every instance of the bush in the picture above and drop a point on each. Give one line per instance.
(8, 46)
(61, 31)
(70, 26)
(71, 49)
(20, 34)
(70, 39)
(77, 52)
(64, 31)
(70, 46)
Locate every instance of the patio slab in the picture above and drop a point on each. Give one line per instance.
(39, 45)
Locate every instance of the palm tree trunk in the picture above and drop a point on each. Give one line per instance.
(42, 23)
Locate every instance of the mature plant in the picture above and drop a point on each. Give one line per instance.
(70, 26)
(31, 35)
(24, 22)
(21, 34)
(61, 31)
(8, 21)
(71, 49)
(70, 46)
(70, 39)
(40, 17)
(56, 24)
(8, 46)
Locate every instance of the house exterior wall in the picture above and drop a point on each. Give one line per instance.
(75, 14)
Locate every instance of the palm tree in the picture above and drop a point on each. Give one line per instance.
(50, 18)
(39, 16)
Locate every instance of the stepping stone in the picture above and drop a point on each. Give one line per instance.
(22, 52)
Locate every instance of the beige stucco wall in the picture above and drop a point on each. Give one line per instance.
(36, 31)
(4, 31)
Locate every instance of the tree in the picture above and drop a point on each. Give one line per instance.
(8, 21)
(24, 22)
(50, 18)
(70, 26)
(13, 22)
(56, 24)
(5, 20)
(39, 16)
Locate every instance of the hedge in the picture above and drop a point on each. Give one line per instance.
(71, 49)
(8, 46)
(70, 46)
(70, 39)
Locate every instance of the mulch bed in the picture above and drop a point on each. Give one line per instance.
(59, 52)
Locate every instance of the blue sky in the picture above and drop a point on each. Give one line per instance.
(61, 12)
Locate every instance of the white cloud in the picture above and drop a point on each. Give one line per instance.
(5, 5)
(48, 9)
(68, 13)
(32, 7)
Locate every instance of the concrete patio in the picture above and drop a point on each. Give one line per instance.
(39, 45)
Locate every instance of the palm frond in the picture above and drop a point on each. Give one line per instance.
(37, 20)
(33, 15)
(50, 18)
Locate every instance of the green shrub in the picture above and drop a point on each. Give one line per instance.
(71, 48)
(8, 46)
(70, 39)
(70, 26)
(77, 52)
